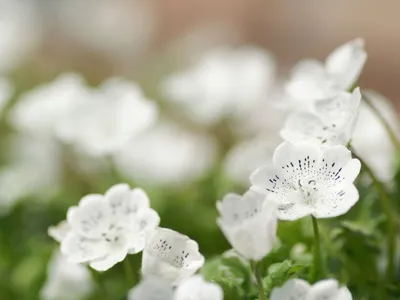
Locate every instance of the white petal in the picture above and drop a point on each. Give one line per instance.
(305, 126)
(333, 203)
(346, 62)
(293, 289)
(170, 255)
(251, 226)
(152, 288)
(268, 179)
(79, 249)
(146, 221)
(296, 160)
(329, 289)
(195, 288)
(293, 207)
(116, 255)
(91, 218)
(338, 167)
(60, 231)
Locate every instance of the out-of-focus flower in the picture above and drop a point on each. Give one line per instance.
(167, 154)
(331, 123)
(171, 256)
(196, 288)
(60, 231)
(249, 223)
(115, 114)
(328, 289)
(34, 170)
(312, 80)
(66, 280)
(243, 159)
(121, 30)
(306, 180)
(224, 83)
(104, 229)
(192, 288)
(371, 140)
(43, 110)
(20, 32)
(152, 288)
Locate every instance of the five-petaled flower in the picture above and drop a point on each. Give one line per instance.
(104, 229)
(308, 180)
(249, 223)
(314, 80)
(298, 289)
(331, 121)
(171, 256)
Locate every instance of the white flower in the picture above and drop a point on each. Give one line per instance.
(243, 159)
(307, 180)
(298, 289)
(66, 280)
(42, 110)
(196, 288)
(192, 288)
(171, 256)
(152, 288)
(332, 121)
(249, 222)
(34, 169)
(116, 113)
(167, 154)
(60, 231)
(224, 83)
(371, 140)
(313, 80)
(104, 229)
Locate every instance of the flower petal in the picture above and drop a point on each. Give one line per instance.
(60, 231)
(293, 207)
(197, 288)
(293, 289)
(345, 63)
(115, 256)
(329, 289)
(152, 288)
(337, 202)
(80, 249)
(91, 218)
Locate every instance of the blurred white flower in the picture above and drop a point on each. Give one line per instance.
(167, 154)
(196, 288)
(328, 289)
(116, 113)
(121, 30)
(245, 157)
(307, 180)
(152, 288)
(371, 140)
(34, 169)
(20, 32)
(104, 229)
(66, 280)
(192, 288)
(224, 83)
(42, 110)
(331, 123)
(312, 80)
(249, 223)
(171, 256)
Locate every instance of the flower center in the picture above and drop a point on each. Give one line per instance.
(308, 188)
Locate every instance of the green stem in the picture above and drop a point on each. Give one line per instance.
(392, 135)
(390, 214)
(317, 266)
(129, 272)
(102, 290)
(257, 273)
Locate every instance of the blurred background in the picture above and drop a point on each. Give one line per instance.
(184, 161)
